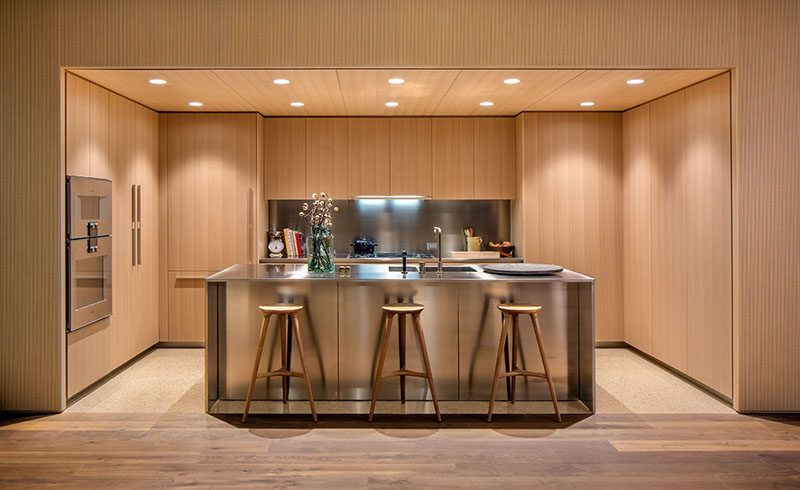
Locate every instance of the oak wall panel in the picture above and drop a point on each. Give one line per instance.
(572, 175)
(677, 231)
(668, 228)
(636, 229)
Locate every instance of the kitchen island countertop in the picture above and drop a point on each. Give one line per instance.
(376, 272)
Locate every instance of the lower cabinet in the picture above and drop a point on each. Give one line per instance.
(186, 320)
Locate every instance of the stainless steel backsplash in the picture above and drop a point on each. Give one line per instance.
(404, 225)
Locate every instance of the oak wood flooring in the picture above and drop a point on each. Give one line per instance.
(609, 450)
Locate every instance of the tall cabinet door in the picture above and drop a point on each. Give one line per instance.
(453, 158)
(211, 190)
(211, 193)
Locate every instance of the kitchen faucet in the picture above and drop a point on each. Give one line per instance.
(437, 233)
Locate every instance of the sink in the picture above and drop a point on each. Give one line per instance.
(433, 268)
(450, 268)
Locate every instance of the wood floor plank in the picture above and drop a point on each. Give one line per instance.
(604, 450)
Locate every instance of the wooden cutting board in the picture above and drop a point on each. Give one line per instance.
(483, 254)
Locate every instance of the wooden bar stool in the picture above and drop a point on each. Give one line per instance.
(284, 312)
(511, 314)
(402, 310)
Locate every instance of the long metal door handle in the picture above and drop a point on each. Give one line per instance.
(139, 224)
(133, 224)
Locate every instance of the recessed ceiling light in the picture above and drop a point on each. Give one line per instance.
(487, 103)
(635, 81)
(392, 104)
(196, 104)
(158, 81)
(296, 104)
(396, 81)
(280, 81)
(511, 81)
(587, 104)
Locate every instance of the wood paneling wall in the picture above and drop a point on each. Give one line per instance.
(109, 136)
(569, 173)
(677, 231)
(758, 39)
(767, 207)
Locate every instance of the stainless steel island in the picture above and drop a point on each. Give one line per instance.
(341, 323)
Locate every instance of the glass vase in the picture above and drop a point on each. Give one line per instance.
(319, 247)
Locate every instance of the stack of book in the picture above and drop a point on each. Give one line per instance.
(295, 244)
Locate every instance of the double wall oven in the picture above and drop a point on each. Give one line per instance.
(88, 251)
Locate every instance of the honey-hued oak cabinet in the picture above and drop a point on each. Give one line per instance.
(111, 137)
(453, 158)
(439, 157)
(210, 165)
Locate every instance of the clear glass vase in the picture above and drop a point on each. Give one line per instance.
(319, 247)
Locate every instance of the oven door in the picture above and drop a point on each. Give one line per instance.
(89, 207)
(89, 276)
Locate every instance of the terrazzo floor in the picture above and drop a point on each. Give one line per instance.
(170, 380)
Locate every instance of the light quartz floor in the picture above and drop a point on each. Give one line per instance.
(163, 381)
(171, 381)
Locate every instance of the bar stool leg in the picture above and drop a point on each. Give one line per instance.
(503, 335)
(282, 324)
(387, 323)
(514, 350)
(401, 336)
(261, 339)
(296, 328)
(537, 330)
(427, 362)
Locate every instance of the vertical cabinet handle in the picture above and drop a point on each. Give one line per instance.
(133, 224)
(139, 224)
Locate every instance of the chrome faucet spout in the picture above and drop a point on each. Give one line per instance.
(437, 233)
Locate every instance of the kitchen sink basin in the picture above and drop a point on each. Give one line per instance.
(433, 268)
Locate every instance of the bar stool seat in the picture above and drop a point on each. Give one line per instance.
(284, 312)
(519, 308)
(280, 309)
(511, 314)
(402, 310)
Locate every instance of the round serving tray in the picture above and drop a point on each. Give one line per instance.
(523, 269)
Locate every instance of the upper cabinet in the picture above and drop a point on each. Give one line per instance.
(368, 156)
(87, 145)
(326, 156)
(211, 176)
(284, 158)
(453, 158)
(445, 158)
(411, 164)
(495, 158)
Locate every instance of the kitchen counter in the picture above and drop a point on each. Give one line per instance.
(395, 260)
(341, 322)
(376, 272)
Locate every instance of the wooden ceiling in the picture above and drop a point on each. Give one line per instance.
(365, 92)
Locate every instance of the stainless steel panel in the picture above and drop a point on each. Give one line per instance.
(479, 336)
(586, 331)
(89, 276)
(360, 316)
(213, 292)
(89, 211)
(405, 224)
(318, 329)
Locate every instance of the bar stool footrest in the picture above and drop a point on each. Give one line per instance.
(404, 372)
(522, 372)
(269, 374)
